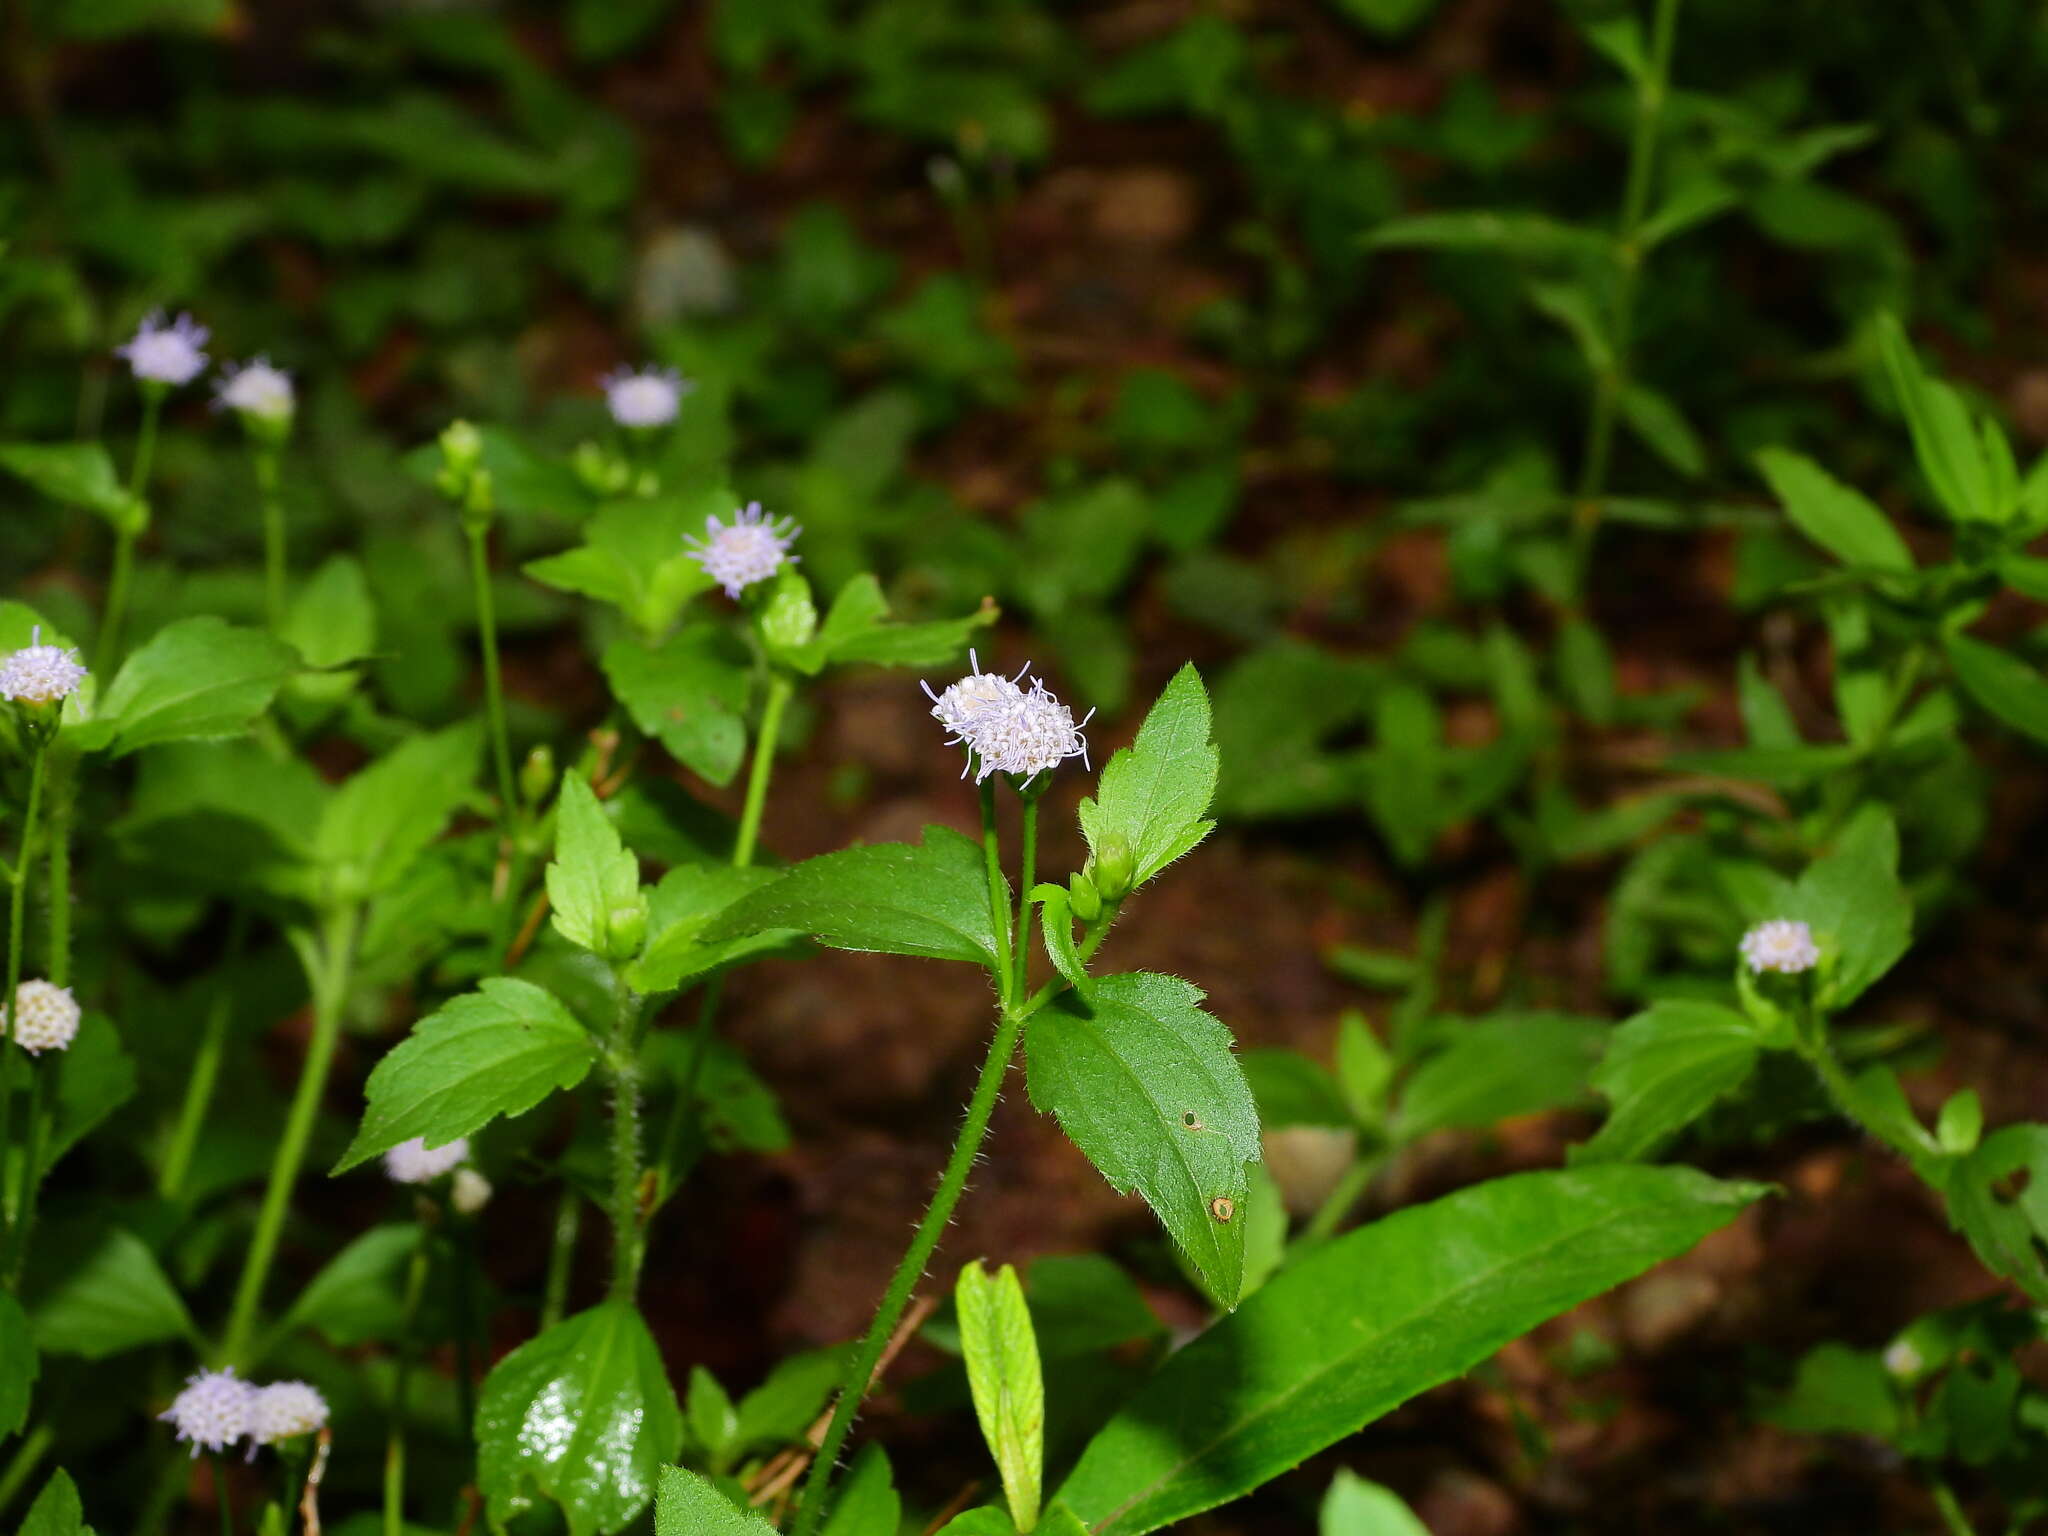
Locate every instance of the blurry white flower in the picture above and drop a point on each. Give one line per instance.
(1902, 1359)
(284, 1410)
(45, 1017)
(39, 673)
(750, 548)
(1784, 945)
(258, 389)
(1009, 729)
(648, 397)
(414, 1162)
(470, 1193)
(213, 1410)
(166, 354)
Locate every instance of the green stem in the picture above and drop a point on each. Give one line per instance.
(1027, 871)
(853, 1388)
(267, 462)
(561, 1254)
(779, 690)
(17, 919)
(29, 1178)
(205, 1068)
(334, 955)
(1951, 1510)
(1341, 1200)
(1613, 381)
(107, 650)
(220, 1495)
(394, 1445)
(999, 914)
(494, 687)
(63, 793)
(622, 1067)
(22, 1466)
(463, 1238)
(681, 1112)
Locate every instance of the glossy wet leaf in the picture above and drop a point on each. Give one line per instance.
(1373, 1318)
(1662, 1070)
(583, 1415)
(592, 875)
(929, 899)
(496, 1051)
(1003, 1376)
(1145, 1082)
(1151, 804)
(196, 679)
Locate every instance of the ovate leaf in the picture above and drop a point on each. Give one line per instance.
(1842, 521)
(97, 1292)
(1853, 901)
(927, 899)
(77, 474)
(679, 910)
(496, 1051)
(584, 1415)
(1151, 804)
(195, 679)
(1663, 1068)
(1355, 1507)
(1001, 1352)
(378, 821)
(1145, 1083)
(689, 693)
(2011, 689)
(1368, 1321)
(360, 1294)
(592, 875)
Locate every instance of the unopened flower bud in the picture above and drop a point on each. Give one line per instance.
(462, 448)
(1112, 869)
(537, 774)
(789, 619)
(1083, 897)
(602, 473)
(625, 930)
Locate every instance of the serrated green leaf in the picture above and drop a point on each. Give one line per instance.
(866, 1502)
(377, 822)
(18, 1379)
(1003, 1376)
(2000, 682)
(1841, 520)
(496, 1051)
(584, 1415)
(592, 875)
(633, 557)
(679, 909)
(858, 628)
(100, 1291)
(196, 679)
(926, 899)
(1151, 803)
(1663, 1068)
(1373, 1318)
(689, 693)
(1145, 1083)
(688, 1505)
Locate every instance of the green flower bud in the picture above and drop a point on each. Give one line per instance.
(625, 930)
(537, 774)
(1113, 869)
(1083, 897)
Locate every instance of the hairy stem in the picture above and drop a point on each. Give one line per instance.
(1341, 1200)
(622, 1067)
(999, 915)
(332, 955)
(1027, 868)
(1612, 384)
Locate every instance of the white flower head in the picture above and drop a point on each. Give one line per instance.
(213, 1411)
(257, 388)
(39, 673)
(644, 397)
(470, 1192)
(750, 548)
(45, 1017)
(166, 354)
(1902, 1359)
(1009, 729)
(414, 1162)
(1784, 945)
(285, 1410)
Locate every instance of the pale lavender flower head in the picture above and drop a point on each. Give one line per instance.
(956, 708)
(644, 397)
(256, 388)
(750, 548)
(39, 673)
(414, 1162)
(470, 1192)
(1783, 945)
(212, 1413)
(45, 1017)
(1009, 729)
(285, 1410)
(166, 354)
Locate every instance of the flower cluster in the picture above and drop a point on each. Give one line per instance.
(414, 1162)
(166, 354)
(751, 548)
(256, 390)
(1784, 945)
(45, 1017)
(218, 1408)
(1021, 730)
(645, 397)
(39, 673)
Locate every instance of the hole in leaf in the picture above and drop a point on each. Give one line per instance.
(1191, 1120)
(1223, 1207)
